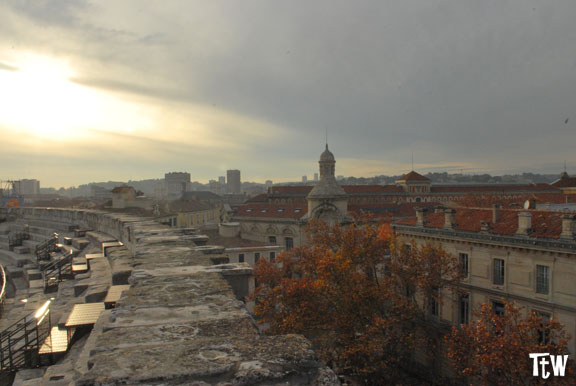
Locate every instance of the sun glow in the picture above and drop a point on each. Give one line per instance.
(40, 99)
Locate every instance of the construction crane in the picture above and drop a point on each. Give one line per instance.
(6, 186)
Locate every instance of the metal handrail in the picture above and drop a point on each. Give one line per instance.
(3, 290)
(47, 246)
(23, 337)
(57, 271)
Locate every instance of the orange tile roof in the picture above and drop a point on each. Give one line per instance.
(352, 189)
(565, 182)
(492, 188)
(406, 209)
(297, 189)
(544, 224)
(413, 176)
(261, 210)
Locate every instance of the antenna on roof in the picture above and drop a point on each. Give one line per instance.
(326, 138)
(412, 160)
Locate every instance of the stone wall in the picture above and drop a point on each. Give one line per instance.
(180, 322)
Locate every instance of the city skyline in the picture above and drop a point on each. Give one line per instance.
(130, 91)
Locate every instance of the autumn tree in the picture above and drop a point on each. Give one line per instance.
(356, 294)
(494, 348)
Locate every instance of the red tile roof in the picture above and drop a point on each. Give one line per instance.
(355, 189)
(297, 189)
(413, 176)
(544, 224)
(259, 198)
(565, 182)
(350, 189)
(261, 210)
(492, 188)
(407, 209)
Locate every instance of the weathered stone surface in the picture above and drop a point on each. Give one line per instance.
(239, 360)
(180, 322)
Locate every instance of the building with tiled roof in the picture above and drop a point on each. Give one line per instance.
(565, 183)
(413, 176)
(523, 255)
(290, 208)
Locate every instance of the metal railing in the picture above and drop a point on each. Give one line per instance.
(46, 247)
(20, 343)
(3, 289)
(57, 271)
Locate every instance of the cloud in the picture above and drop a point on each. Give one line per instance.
(7, 67)
(473, 84)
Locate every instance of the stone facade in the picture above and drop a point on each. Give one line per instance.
(528, 257)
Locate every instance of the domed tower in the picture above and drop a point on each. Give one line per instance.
(327, 201)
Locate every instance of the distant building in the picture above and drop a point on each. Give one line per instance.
(284, 211)
(176, 183)
(565, 183)
(315, 177)
(304, 179)
(100, 193)
(124, 197)
(26, 187)
(234, 183)
(195, 209)
(269, 184)
(222, 180)
(202, 195)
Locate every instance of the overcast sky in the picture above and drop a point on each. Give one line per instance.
(119, 90)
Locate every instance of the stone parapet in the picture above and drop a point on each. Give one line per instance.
(181, 320)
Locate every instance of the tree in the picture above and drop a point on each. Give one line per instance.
(495, 348)
(356, 294)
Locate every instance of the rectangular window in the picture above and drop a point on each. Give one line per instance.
(464, 264)
(464, 309)
(406, 249)
(498, 308)
(241, 258)
(542, 279)
(434, 306)
(289, 243)
(409, 290)
(272, 256)
(256, 257)
(544, 330)
(498, 277)
(272, 240)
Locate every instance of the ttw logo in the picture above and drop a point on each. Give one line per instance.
(558, 363)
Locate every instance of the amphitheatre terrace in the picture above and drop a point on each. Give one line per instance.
(179, 321)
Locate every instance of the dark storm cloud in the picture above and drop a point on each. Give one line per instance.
(489, 83)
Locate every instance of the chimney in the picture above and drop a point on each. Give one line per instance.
(524, 223)
(495, 213)
(421, 217)
(485, 227)
(568, 227)
(449, 218)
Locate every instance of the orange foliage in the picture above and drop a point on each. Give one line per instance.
(346, 289)
(494, 349)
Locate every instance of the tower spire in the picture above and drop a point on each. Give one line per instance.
(326, 138)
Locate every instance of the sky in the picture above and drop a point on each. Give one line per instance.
(128, 90)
